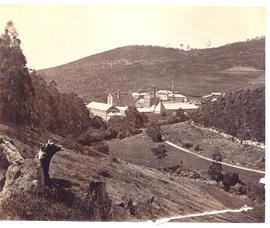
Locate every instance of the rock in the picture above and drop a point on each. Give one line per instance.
(12, 155)
(28, 175)
(45, 155)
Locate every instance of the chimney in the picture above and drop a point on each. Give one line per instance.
(118, 94)
(155, 93)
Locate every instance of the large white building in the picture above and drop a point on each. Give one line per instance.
(105, 111)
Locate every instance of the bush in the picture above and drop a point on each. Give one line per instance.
(91, 137)
(154, 133)
(215, 168)
(182, 116)
(229, 180)
(121, 135)
(97, 122)
(256, 191)
(102, 147)
(160, 152)
(187, 144)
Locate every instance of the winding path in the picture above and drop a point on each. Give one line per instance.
(211, 160)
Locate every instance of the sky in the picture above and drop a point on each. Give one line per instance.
(52, 35)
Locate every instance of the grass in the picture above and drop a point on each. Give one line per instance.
(197, 72)
(124, 180)
(137, 149)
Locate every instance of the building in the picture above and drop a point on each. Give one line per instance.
(177, 97)
(163, 95)
(120, 99)
(212, 97)
(145, 100)
(171, 107)
(105, 111)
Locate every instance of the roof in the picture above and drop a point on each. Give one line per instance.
(99, 106)
(175, 106)
(125, 99)
(164, 91)
(159, 108)
(151, 109)
(176, 95)
(206, 96)
(122, 108)
(216, 94)
(135, 94)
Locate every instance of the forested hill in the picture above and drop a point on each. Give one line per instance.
(240, 114)
(196, 72)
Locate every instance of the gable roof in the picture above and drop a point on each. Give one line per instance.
(175, 106)
(100, 106)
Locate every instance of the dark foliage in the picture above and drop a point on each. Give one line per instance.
(25, 98)
(240, 114)
(256, 191)
(92, 136)
(160, 152)
(154, 133)
(16, 90)
(230, 179)
(215, 168)
(97, 122)
(103, 148)
(134, 118)
(181, 115)
(62, 114)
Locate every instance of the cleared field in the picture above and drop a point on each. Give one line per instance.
(206, 143)
(137, 149)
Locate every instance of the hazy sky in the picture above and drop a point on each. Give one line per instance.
(53, 35)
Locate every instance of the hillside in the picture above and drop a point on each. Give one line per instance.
(195, 72)
(74, 168)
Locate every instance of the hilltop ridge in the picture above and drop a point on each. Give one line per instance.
(142, 67)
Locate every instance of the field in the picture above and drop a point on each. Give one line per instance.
(137, 149)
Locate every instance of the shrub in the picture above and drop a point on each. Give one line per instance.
(187, 144)
(121, 135)
(91, 136)
(215, 168)
(160, 152)
(102, 147)
(97, 122)
(256, 191)
(182, 116)
(154, 133)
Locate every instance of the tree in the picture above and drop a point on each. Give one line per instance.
(16, 89)
(181, 115)
(134, 118)
(154, 133)
(160, 152)
(11, 56)
(215, 168)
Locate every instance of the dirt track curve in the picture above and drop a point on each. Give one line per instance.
(209, 159)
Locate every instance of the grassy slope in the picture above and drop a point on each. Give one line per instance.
(209, 142)
(137, 149)
(196, 72)
(173, 195)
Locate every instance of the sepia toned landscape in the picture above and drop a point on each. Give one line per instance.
(171, 129)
